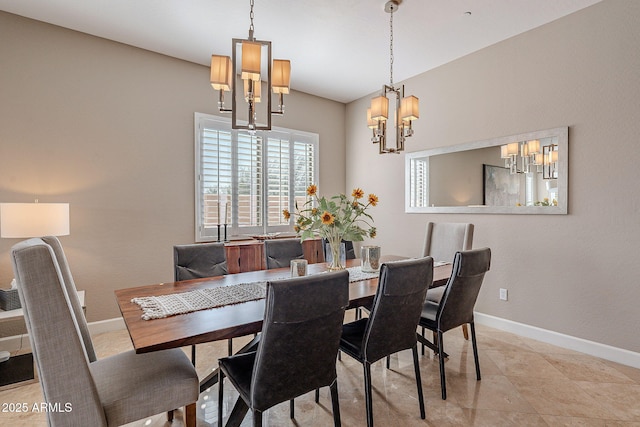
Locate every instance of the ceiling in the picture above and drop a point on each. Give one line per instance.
(338, 49)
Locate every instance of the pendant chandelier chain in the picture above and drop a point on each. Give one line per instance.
(391, 49)
(251, 18)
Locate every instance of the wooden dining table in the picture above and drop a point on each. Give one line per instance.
(229, 321)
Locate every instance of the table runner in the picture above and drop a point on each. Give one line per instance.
(157, 307)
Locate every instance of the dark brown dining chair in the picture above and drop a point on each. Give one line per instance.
(442, 241)
(278, 253)
(391, 325)
(111, 391)
(456, 306)
(298, 345)
(196, 261)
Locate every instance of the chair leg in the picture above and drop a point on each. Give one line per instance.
(475, 350)
(423, 337)
(465, 332)
(368, 398)
(190, 415)
(443, 383)
(388, 361)
(220, 395)
(170, 416)
(257, 418)
(193, 355)
(335, 403)
(292, 413)
(230, 344)
(317, 395)
(416, 366)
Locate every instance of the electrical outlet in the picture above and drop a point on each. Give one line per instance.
(503, 294)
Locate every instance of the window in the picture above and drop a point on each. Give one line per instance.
(245, 181)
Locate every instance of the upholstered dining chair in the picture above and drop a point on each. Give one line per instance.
(456, 306)
(442, 241)
(298, 345)
(100, 392)
(391, 325)
(350, 252)
(278, 253)
(198, 260)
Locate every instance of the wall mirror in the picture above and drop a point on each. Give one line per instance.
(517, 174)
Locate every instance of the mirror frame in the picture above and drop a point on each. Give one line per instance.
(562, 133)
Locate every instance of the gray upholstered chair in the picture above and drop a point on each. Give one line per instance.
(350, 252)
(298, 345)
(442, 241)
(278, 253)
(198, 260)
(108, 392)
(391, 325)
(456, 306)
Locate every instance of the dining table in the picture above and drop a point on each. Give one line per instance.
(227, 321)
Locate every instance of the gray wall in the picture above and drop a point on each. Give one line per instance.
(109, 129)
(575, 274)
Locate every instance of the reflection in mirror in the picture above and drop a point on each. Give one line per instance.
(520, 174)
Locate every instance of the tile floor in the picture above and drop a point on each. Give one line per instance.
(524, 383)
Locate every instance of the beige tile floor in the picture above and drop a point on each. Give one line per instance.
(524, 383)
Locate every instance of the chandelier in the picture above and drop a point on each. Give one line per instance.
(531, 157)
(403, 109)
(247, 57)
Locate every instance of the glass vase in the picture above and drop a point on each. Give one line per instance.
(336, 256)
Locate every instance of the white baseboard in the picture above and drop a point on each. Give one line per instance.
(603, 351)
(21, 342)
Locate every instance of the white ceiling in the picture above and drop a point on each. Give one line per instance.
(338, 49)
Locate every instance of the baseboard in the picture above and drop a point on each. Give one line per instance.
(20, 343)
(603, 351)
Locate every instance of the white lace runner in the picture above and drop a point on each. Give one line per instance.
(204, 299)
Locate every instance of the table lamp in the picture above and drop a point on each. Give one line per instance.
(23, 220)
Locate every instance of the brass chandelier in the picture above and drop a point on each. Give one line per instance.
(246, 61)
(403, 109)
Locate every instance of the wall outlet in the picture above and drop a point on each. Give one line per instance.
(503, 294)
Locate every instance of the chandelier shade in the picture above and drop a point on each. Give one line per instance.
(251, 55)
(410, 108)
(221, 72)
(281, 75)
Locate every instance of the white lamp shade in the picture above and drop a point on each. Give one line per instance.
(281, 76)
(409, 108)
(380, 108)
(534, 146)
(504, 153)
(22, 220)
(257, 90)
(372, 124)
(221, 72)
(251, 55)
(512, 149)
(537, 159)
(553, 156)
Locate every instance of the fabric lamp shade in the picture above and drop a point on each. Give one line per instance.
(512, 149)
(257, 90)
(251, 56)
(409, 108)
(504, 152)
(534, 146)
(380, 108)
(221, 72)
(372, 124)
(281, 75)
(22, 220)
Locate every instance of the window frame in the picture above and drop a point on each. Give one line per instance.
(234, 231)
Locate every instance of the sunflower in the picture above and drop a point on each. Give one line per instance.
(373, 199)
(312, 190)
(286, 214)
(327, 218)
(357, 193)
(314, 211)
(355, 205)
(372, 232)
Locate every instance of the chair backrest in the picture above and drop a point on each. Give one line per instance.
(278, 253)
(55, 337)
(397, 306)
(72, 293)
(350, 252)
(444, 239)
(461, 292)
(300, 337)
(199, 260)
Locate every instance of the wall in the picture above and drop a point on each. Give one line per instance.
(109, 129)
(575, 274)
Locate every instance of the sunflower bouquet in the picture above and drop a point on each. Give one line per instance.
(335, 219)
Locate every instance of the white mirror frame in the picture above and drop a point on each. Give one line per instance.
(562, 133)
